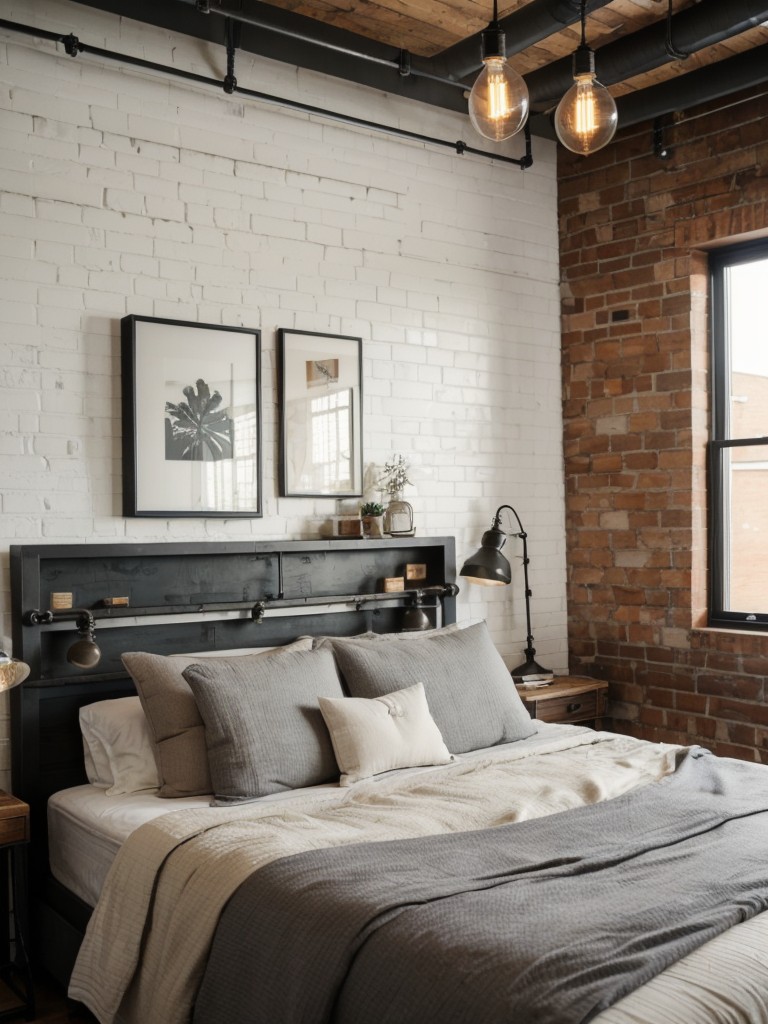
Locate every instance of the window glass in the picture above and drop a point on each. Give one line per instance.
(738, 479)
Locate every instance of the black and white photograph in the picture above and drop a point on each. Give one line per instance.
(192, 436)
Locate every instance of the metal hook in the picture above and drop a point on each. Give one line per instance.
(669, 46)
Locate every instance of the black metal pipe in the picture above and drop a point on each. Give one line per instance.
(395, 63)
(703, 25)
(76, 46)
(697, 87)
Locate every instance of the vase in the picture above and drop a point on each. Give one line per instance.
(398, 519)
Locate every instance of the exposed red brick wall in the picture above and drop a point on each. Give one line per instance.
(635, 381)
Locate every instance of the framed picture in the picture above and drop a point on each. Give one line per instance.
(191, 419)
(320, 379)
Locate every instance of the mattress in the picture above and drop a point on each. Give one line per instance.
(86, 827)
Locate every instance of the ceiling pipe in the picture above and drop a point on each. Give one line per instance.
(705, 24)
(183, 16)
(343, 49)
(289, 43)
(737, 73)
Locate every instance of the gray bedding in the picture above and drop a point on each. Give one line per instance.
(546, 921)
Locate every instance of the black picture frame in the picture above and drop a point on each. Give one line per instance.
(191, 419)
(320, 383)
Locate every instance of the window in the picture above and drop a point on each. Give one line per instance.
(738, 453)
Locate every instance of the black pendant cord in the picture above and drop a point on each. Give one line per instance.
(74, 46)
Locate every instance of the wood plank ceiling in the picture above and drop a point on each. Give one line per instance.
(364, 40)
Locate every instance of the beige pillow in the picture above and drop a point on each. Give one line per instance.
(377, 735)
(175, 726)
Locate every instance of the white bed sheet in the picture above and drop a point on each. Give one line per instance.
(86, 827)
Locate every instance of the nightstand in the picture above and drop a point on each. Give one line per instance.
(570, 699)
(14, 970)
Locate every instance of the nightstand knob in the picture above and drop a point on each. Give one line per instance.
(572, 708)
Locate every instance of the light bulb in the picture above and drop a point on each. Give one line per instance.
(498, 103)
(586, 117)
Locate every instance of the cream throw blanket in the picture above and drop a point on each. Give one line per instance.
(175, 874)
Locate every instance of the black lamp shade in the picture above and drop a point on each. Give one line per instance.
(84, 653)
(488, 566)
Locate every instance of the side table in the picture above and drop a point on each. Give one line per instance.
(569, 699)
(14, 970)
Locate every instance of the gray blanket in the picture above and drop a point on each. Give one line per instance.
(547, 921)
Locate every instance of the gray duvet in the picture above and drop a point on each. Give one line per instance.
(546, 921)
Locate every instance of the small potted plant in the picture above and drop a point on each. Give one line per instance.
(372, 515)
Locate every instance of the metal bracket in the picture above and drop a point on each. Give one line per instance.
(232, 29)
(669, 46)
(404, 64)
(72, 45)
(527, 159)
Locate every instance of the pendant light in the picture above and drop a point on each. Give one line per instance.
(586, 117)
(498, 102)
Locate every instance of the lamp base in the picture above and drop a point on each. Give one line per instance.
(532, 672)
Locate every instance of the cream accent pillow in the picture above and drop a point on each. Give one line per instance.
(375, 735)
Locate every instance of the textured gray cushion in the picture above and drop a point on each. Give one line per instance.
(416, 634)
(469, 689)
(263, 727)
(175, 726)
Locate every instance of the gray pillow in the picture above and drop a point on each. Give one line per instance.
(469, 689)
(263, 728)
(175, 726)
(416, 634)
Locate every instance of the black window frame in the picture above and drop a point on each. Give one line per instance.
(719, 262)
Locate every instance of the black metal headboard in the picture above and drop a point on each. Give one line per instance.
(173, 598)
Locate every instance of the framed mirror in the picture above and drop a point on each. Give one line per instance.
(320, 385)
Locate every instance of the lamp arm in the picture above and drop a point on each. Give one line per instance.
(530, 650)
(83, 619)
(497, 519)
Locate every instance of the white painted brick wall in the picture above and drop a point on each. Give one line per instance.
(125, 192)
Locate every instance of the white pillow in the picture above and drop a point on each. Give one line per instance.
(117, 748)
(373, 735)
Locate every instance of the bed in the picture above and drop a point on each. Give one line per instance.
(418, 853)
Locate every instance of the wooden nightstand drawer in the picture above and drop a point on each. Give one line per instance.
(569, 699)
(568, 709)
